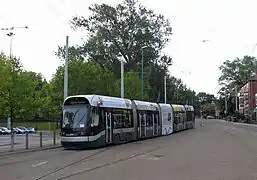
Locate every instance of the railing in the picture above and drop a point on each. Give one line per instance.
(29, 141)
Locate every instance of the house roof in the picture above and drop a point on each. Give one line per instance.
(251, 79)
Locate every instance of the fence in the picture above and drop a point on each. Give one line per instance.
(29, 141)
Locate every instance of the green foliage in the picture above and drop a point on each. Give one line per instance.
(234, 74)
(238, 71)
(208, 109)
(132, 86)
(19, 90)
(84, 78)
(205, 97)
(120, 31)
(115, 33)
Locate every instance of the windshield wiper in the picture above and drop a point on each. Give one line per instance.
(70, 122)
(81, 119)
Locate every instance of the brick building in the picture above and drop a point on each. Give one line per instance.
(247, 98)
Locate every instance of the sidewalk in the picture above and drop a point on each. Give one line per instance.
(239, 123)
(33, 142)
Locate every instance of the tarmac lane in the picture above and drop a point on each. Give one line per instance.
(215, 151)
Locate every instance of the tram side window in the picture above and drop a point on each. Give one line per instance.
(97, 122)
(189, 116)
(156, 119)
(138, 119)
(169, 116)
(142, 117)
(184, 116)
(95, 118)
(180, 116)
(149, 118)
(122, 119)
(176, 117)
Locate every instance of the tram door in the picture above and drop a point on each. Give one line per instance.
(155, 124)
(142, 125)
(109, 127)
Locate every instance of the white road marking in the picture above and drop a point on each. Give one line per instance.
(39, 164)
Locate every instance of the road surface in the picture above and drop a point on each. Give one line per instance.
(20, 143)
(216, 151)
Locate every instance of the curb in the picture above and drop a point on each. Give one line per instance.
(21, 151)
(239, 123)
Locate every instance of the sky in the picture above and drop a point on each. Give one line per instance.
(229, 26)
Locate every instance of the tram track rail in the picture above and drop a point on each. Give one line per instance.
(110, 163)
(88, 158)
(45, 155)
(84, 159)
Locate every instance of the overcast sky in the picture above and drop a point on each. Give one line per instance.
(229, 25)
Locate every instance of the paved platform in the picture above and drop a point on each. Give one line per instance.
(215, 151)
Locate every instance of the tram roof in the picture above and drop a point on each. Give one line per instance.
(178, 107)
(105, 101)
(189, 108)
(166, 106)
(143, 105)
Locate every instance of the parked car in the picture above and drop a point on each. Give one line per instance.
(210, 117)
(21, 130)
(4, 130)
(17, 131)
(1, 131)
(31, 129)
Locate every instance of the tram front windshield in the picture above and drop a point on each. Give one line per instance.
(75, 117)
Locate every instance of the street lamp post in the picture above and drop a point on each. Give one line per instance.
(236, 98)
(142, 72)
(121, 78)
(65, 90)
(10, 34)
(165, 90)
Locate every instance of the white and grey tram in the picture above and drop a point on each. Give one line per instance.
(94, 120)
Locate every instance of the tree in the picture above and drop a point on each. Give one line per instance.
(234, 74)
(238, 71)
(205, 97)
(132, 86)
(84, 78)
(5, 69)
(118, 33)
(208, 109)
(19, 90)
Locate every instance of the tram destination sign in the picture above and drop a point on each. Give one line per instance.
(76, 100)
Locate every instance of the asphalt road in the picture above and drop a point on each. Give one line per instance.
(218, 150)
(20, 141)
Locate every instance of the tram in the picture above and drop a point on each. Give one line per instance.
(95, 120)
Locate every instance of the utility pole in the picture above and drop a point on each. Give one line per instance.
(226, 104)
(122, 78)
(236, 99)
(142, 72)
(165, 93)
(65, 90)
(10, 119)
